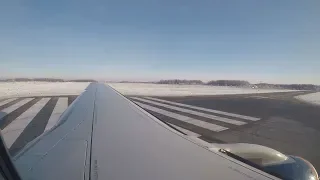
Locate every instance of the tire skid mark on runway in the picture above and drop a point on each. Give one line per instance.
(17, 110)
(35, 128)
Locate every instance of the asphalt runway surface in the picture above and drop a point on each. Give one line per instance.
(25, 118)
(276, 120)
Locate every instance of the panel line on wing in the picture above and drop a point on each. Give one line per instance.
(185, 131)
(207, 110)
(71, 99)
(209, 116)
(196, 122)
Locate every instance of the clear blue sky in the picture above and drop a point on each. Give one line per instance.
(275, 41)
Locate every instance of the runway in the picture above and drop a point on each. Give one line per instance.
(24, 119)
(276, 120)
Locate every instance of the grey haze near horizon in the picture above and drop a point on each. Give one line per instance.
(258, 41)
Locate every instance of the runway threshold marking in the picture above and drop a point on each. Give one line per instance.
(207, 110)
(60, 107)
(7, 101)
(10, 109)
(10, 103)
(25, 118)
(196, 122)
(14, 129)
(209, 116)
(35, 128)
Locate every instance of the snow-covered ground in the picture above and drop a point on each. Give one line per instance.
(146, 89)
(23, 89)
(313, 98)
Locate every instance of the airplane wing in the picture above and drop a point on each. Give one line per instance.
(103, 135)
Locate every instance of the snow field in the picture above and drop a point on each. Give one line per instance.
(26, 89)
(313, 98)
(148, 89)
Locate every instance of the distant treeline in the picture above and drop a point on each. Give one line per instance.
(229, 83)
(179, 81)
(45, 80)
(236, 83)
(131, 82)
(213, 83)
(289, 86)
(241, 83)
(81, 80)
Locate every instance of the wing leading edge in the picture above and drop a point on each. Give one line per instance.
(105, 136)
